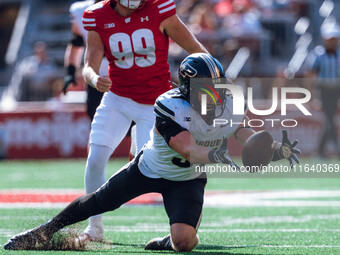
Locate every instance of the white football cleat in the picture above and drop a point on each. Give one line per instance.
(93, 233)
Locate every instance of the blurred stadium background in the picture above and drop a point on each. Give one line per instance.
(259, 43)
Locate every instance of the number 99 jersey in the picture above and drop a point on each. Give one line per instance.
(136, 48)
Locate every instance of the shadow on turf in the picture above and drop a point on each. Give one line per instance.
(200, 249)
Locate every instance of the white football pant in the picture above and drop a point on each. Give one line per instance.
(110, 125)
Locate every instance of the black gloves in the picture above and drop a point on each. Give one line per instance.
(221, 155)
(286, 150)
(69, 78)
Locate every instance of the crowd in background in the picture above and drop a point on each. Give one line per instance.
(236, 19)
(265, 28)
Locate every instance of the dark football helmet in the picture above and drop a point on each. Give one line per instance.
(210, 70)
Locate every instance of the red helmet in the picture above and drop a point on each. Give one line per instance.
(131, 4)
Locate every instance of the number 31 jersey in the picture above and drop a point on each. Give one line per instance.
(136, 48)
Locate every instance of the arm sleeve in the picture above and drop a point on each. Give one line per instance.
(166, 9)
(165, 120)
(168, 128)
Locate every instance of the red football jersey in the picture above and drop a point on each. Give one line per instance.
(135, 47)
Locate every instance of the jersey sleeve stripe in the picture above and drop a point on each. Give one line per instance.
(164, 108)
(89, 20)
(89, 25)
(162, 114)
(165, 4)
(168, 9)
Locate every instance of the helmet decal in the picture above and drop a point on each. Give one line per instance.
(187, 70)
(199, 72)
(211, 65)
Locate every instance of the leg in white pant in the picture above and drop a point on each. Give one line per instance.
(96, 162)
(94, 178)
(144, 124)
(109, 127)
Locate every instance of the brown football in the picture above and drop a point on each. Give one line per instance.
(257, 151)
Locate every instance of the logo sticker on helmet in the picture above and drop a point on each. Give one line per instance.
(187, 70)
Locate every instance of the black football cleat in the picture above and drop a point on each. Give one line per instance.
(160, 243)
(34, 239)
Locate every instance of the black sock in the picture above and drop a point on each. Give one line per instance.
(80, 209)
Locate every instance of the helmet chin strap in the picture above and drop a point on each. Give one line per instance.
(131, 4)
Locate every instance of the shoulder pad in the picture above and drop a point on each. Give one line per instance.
(168, 103)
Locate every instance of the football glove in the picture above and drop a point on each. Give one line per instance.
(69, 78)
(221, 155)
(286, 150)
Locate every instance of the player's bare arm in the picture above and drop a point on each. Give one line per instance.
(178, 32)
(185, 144)
(93, 57)
(73, 55)
(74, 50)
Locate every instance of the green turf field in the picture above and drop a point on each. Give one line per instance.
(296, 215)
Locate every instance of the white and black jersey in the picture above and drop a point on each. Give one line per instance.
(158, 159)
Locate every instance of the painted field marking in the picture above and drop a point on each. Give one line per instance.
(229, 221)
(60, 198)
(300, 246)
(269, 246)
(270, 230)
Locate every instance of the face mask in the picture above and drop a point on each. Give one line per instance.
(131, 4)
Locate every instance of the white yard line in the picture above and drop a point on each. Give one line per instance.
(228, 221)
(272, 198)
(300, 246)
(268, 230)
(271, 246)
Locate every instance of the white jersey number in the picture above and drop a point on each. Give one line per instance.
(125, 49)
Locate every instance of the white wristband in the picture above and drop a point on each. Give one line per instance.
(94, 80)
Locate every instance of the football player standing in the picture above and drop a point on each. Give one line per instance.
(134, 37)
(165, 163)
(72, 61)
(74, 53)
